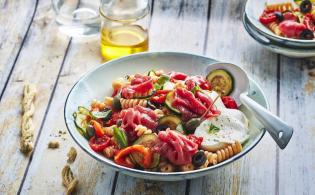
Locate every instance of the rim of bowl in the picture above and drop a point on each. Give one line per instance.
(117, 167)
(268, 32)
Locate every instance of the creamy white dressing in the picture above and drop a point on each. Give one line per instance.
(232, 124)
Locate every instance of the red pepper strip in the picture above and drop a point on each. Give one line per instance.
(159, 99)
(229, 102)
(98, 128)
(178, 76)
(267, 18)
(309, 22)
(100, 143)
(120, 157)
(162, 92)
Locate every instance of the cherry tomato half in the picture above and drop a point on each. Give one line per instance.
(100, 143)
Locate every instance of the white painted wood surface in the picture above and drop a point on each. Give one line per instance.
(35, 50)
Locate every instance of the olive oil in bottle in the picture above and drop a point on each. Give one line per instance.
(123, 40)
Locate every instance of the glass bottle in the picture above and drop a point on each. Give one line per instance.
(124, 27)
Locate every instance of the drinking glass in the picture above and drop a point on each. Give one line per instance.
(77, 17)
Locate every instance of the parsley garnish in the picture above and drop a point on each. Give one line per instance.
(213, 128)
(196, 88)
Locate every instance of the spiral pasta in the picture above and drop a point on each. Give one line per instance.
(187, 167)
(225, 153)
(130, 103)
(280, 7)
(109, 151)
(141, 130)
(166, 167)
(274, 27)
(109, 131)
(159, 113)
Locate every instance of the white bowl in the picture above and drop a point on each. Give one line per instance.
(274, 46)
(96, 83)
(253, 10)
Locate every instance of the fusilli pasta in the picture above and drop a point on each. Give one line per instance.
(166, 167)
(224, 154)
(274, 27)
(187, 167)
(141, 130)
(130, 103)
(280, 7)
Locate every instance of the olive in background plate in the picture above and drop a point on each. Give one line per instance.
(306, 6)
(279, 16)
(307, 34)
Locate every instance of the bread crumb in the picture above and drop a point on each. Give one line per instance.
(53, 144)
(27, 126)
(68, 180)
(72, 154)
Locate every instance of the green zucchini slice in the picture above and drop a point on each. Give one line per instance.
(104, 115)
(147, 140)
(168, 102)
(171, 121)
(81, 123)
(221, 81)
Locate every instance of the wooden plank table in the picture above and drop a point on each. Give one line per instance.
(32, 49)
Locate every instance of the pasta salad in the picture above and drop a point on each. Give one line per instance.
(289, 20)
(166, 122)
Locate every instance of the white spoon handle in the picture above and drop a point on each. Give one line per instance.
(278, 129)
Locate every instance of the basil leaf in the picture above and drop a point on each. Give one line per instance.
(157, 86)
(120, 137)
(213, 129)
(196, 88)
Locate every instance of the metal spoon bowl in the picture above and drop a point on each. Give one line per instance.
(280, 131)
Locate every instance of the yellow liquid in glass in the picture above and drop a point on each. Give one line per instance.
(123, 40)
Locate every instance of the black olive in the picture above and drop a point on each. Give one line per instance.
(151, 105)
(161, 127)
(90, 131)
(279, 16)
(199, 158)
(306, 6)
(118, 122)
(191, 125)
(307, 34)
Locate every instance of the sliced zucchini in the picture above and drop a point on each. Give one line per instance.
(180, 128)
(221, 81)
(84, 110)
(171, 121)
(104, 115)
(168, 85)
(147, 140)
(116, 103)
(151, 73)
(81, 123)
(163, 78)
(168, 102)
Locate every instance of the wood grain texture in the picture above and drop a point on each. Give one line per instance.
(297, 94)
(228, 41)
(39, 63)
(93, 176)
(15, 19)
(175, 26)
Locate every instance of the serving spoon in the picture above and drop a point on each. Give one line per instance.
(280, 131)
